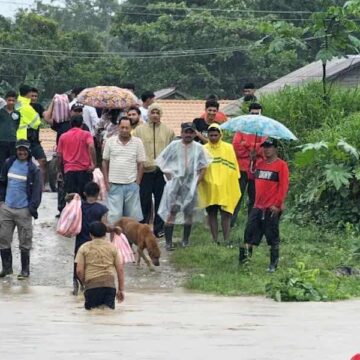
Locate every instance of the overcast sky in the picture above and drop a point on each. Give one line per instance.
(8, 8)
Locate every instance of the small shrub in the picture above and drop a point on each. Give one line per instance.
(296, 284)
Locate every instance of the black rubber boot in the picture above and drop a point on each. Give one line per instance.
(6, 258)
(243, 255)
(168, 230)
(186, 235)
(274, 259)
(25, 264)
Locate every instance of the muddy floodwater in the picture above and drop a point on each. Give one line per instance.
(40, 319)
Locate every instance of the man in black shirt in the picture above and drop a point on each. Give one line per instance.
(202, 125)
(9, 123)
(34, 135)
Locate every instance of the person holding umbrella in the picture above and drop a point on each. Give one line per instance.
(248, 151)
(271, 187)
(271, 184)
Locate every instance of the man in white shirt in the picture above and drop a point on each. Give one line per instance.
(89, 114)
(148, 97)
(123, 168)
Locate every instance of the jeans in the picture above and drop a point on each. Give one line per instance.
(124, 200)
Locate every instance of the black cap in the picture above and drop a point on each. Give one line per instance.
(269, 142)
(22, 143)
(77, 106)
(188, 126)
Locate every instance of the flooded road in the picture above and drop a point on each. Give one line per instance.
(39, 319)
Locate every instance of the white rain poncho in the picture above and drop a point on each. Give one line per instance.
(183, 163)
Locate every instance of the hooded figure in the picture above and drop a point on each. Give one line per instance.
(220, 185)
(156, 136)
(219, 190)
(183, 162)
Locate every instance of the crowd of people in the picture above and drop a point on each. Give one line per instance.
(150, 175)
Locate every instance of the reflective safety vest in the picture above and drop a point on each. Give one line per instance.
(29, 117)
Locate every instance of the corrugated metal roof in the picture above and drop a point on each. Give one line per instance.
(164, 92)
(307, 73)
(311, 72)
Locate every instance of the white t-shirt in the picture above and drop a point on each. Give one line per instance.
(144, 114)
(123, 159)
(90, 116)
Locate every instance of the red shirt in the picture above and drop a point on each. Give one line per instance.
(220, 117)
(271, 184)
(74, 149)
(243, 144)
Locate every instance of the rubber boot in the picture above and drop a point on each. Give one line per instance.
(274, 259)
(25, 264)
(186, 235)
(243, 255)
(6, 258)
(168, 230)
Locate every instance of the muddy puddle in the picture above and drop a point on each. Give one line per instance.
(39, 319)
(52, 258)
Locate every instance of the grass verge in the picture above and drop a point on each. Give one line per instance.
(307, 270)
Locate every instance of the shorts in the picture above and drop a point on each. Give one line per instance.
(37, 150)
(260, 223)
(124, 200)
(214, 209)
(100, 296)
(11, 218)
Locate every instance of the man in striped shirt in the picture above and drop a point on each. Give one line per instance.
(123, 168)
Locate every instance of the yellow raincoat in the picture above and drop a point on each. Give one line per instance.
(220, 185)
(29, 117)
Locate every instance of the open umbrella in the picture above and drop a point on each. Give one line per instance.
(110, 97)
(259, 125)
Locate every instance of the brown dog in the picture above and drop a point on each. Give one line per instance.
(142, 236)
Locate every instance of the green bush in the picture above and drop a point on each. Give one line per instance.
(303, 109)
(296, 284)
(326, 176)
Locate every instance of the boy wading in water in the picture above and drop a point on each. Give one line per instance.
(91, 211)
(97, 261)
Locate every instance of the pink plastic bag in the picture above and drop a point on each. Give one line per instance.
(71, 218)
(61, 110)
(98, 177)
(122, 244)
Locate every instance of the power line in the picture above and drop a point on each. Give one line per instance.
(222, 10)
(220, 17)
(52, 52)
(158, 55)
(140, 54)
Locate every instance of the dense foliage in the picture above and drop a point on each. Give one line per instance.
(202, 47)
(325, 182)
